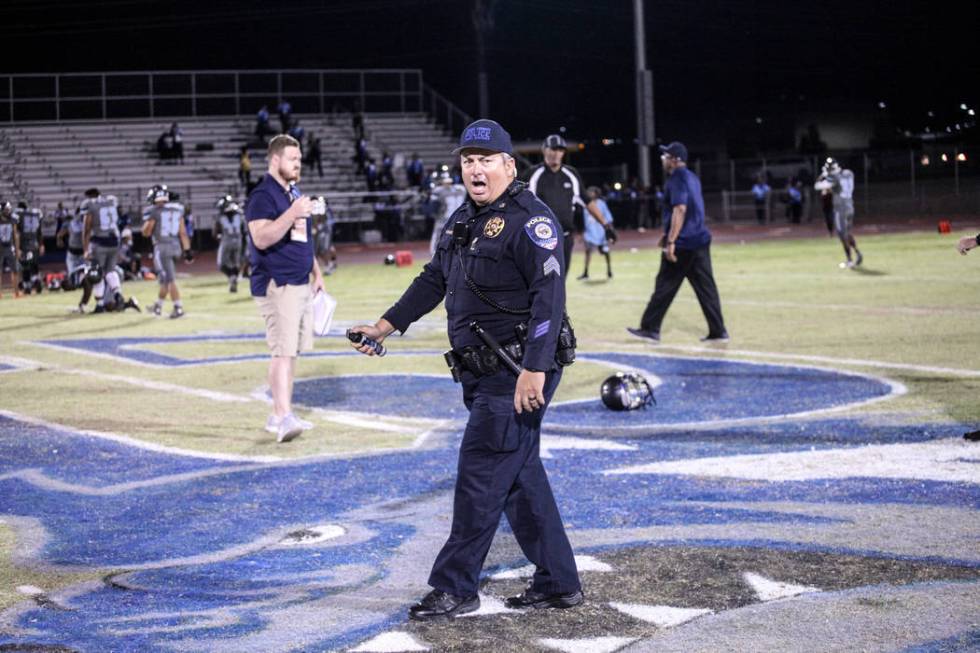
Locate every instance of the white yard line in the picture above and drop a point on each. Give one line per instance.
(213, 395)
(831, 360)
(949, 460)
(133, 442)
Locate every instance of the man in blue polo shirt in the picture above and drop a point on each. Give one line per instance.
(280, 252)
(686, 250)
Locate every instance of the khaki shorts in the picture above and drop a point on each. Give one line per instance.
(288, 314)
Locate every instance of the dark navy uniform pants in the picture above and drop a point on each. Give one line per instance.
(695, 266)
(500, 471)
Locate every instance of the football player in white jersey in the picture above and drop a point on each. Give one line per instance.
(9, 247)
(840, 182)
(166, 225)
(231, 222)
(100, 243)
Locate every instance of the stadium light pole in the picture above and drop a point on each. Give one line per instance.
(645, 132)
(483, 23)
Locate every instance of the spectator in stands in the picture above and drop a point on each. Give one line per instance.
(262, 126)
(415, 171)
(357, 122)
(387, 172)
(297, 131)
(165, 146)
(285, 115)
(314, 155)
(177, 138)
(371, 174)
(360, 154)
(245, 169)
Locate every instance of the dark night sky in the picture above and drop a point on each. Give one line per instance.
(716, 65)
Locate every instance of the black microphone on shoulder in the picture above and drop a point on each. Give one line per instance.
(359, 338)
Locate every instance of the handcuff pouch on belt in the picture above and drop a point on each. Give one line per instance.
(479, 361)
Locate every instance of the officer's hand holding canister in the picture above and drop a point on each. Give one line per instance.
(529, 393)
(376, 332)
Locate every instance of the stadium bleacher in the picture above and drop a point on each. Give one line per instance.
(47, 163)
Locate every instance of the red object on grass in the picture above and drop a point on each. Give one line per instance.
(403, 257)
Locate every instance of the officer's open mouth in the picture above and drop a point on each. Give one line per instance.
(479, 184)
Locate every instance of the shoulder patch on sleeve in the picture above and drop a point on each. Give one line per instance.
(542, 232)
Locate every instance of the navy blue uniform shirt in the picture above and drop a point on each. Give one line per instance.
(684, 187)
(514, 255)
(288, 262)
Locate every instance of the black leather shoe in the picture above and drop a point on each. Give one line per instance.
(643, 333)
(440, 605)
(538, 600)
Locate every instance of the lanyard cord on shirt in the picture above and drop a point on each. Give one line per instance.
(481, 295)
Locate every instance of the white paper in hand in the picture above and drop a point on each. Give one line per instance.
(323, 308)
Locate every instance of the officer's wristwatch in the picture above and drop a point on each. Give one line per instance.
(531, 369)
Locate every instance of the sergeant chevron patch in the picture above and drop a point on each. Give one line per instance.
(551, 265)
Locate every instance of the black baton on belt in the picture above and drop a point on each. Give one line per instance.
(492, 343)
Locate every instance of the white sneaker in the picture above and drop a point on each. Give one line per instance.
(272, 424)
(289, 428)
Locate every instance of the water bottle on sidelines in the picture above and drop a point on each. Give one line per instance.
(359, 338)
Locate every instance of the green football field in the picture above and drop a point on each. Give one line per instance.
(911, 313)
(197, 385)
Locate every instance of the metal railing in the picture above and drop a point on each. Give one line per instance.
(194, 93)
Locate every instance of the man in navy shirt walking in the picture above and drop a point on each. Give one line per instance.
(280, 251)
(686, 250)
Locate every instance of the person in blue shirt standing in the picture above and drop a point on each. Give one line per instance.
(760, 195)
(284, 275)
(498, 265)
(686, 250)
(597, 233)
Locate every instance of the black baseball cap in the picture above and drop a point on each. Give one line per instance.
(676, 150)
(555, 142)
(485, 134)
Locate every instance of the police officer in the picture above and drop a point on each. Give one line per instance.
(559, 186)
(499, 264)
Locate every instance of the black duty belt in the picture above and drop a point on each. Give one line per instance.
(481, 360)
